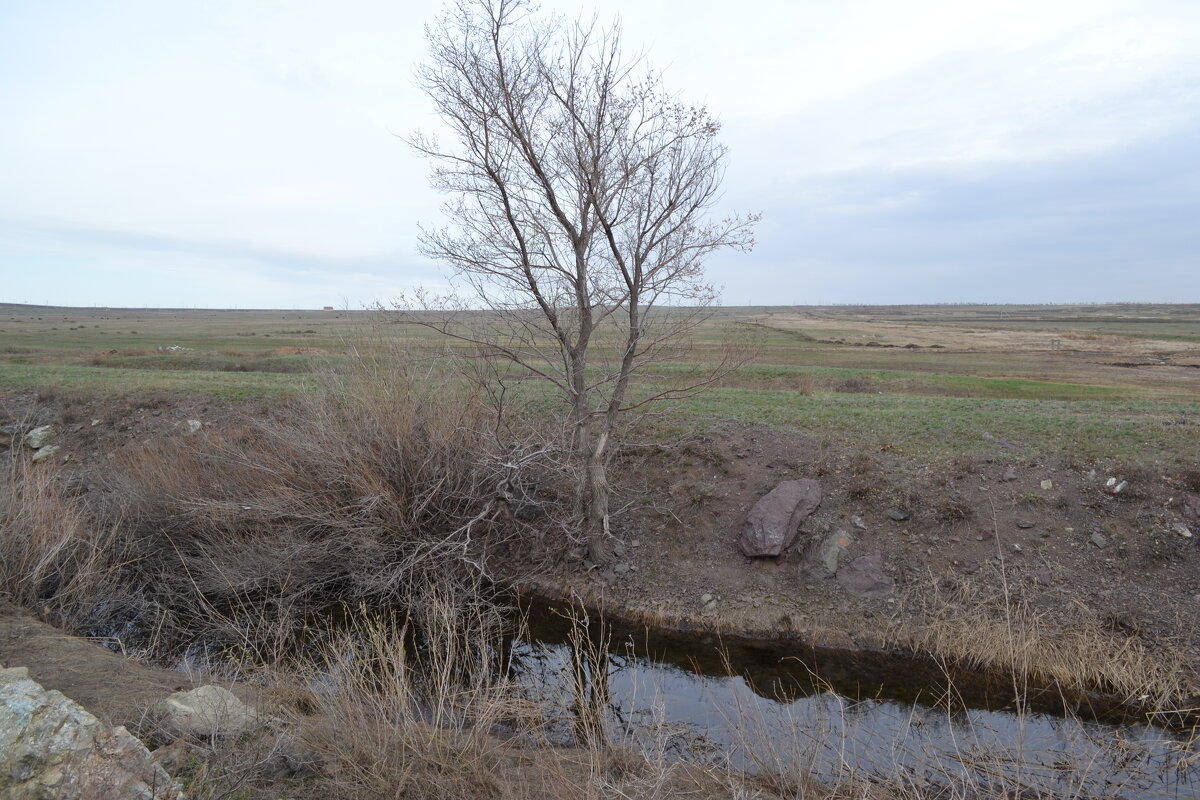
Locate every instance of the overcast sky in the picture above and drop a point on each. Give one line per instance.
(245, 154)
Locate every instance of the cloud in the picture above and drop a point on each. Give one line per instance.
(91, 266)
(1118, 225)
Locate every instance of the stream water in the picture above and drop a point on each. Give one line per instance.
(831, 713)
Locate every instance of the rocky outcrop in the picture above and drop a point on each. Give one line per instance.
(51, 748)
(773, 522)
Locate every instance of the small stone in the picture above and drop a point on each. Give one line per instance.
(706, 598)
(621, 569)
(188, 427)
(156, 412)
(1010, 474)
(636, 543)
(1024, 524)
(1182, 530)
(96, 422)
(897, 514)
(1099, 540)
(1047, 484)
(1091, 474)
(858, 522)
(46, 452)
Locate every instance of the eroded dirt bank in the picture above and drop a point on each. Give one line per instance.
(963, 547)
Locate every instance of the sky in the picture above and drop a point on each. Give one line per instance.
(248, 154)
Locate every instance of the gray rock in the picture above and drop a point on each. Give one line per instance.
(706, 598)
(1024, 524)
(40, 436)
(51, 748)
(9, 433)
(896, 514)
(205, 713)
(773, 522)
(1010, 474)
(1099, 540)
(1182, 530)
(1191, 507)
(864, 576)
(45, 453)
(621, 569)
(858, 522)
(190, 426)
(822, 560)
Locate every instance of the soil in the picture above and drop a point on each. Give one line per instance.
(1050, 534)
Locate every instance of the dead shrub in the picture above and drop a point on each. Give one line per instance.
(411, 702)
(804, 384)
(237, 537)
(51, 549)
(864, 476)
(952, 509)
(854, 385)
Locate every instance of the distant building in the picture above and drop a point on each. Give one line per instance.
(327, 308)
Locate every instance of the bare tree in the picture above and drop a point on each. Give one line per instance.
(579, 214)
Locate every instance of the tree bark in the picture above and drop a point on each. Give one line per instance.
(600, 543)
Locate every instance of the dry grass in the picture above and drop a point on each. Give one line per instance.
(386, 475)
(995, 631)
(51, 547)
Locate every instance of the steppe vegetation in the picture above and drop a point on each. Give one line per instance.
(345, 463)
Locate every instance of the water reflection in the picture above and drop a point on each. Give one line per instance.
(822, 714)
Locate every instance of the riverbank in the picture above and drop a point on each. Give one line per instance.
(179, 525)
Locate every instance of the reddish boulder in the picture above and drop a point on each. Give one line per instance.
(772, 525)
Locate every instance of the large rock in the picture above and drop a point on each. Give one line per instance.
(51, 748)
(40, 436)
(864, 576)
(772, 525)
(207, 712)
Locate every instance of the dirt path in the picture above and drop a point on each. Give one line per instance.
(114, 687)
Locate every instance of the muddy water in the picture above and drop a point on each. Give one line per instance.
(768, 708)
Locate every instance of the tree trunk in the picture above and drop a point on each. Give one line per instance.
(600, 543)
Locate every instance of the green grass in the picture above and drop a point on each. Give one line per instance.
(996, 369)
(782, 376)
(936, 427)
(103, 382)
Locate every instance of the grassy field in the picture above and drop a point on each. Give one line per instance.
(1105, 381)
